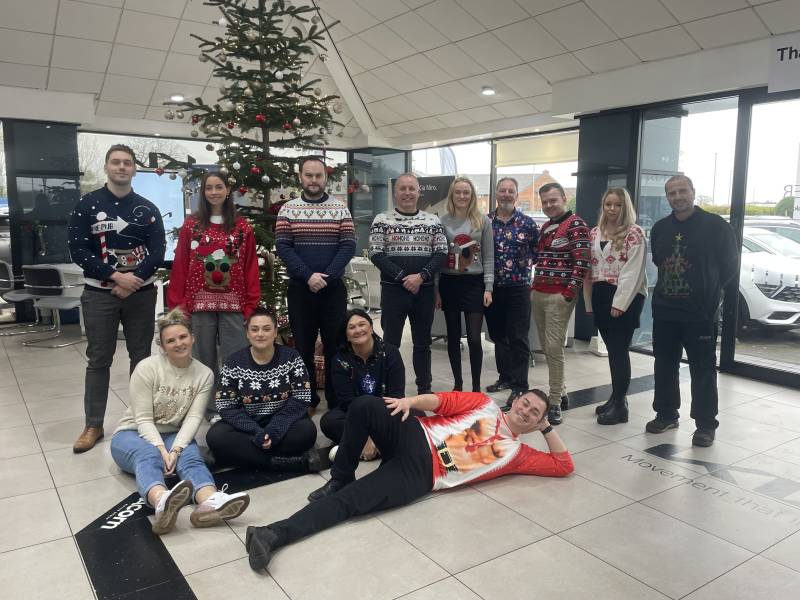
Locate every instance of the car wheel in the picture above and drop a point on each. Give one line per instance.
(744, 324)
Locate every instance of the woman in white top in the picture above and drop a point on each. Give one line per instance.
(614, 290)
(155, 438)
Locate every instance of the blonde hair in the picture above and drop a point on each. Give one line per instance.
(627, 217)
(473, 212)
(174, 317)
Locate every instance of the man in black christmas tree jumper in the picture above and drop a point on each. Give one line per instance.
(117, 237)
(696, 256)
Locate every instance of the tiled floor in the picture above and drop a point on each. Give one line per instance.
(643, 516)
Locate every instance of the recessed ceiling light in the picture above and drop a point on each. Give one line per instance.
(157, 135)
(537, 129)
(487, 91)
(177, 97)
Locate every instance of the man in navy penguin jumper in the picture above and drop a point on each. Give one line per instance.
(117, 237)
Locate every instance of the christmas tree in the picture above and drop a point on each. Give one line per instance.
(264, 108)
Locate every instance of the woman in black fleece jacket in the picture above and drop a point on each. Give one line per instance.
(364, 366)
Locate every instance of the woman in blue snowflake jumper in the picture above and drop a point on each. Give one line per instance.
(263, 398)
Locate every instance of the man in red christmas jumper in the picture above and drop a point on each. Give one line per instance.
(564, 257)
(468, 439)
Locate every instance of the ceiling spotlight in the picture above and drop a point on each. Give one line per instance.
(177, 97)
(487, 91)
(157, 134)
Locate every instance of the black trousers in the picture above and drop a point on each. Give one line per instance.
(332, 424)
(700, 342)
(618, 342)
(232, 447)
(509, 319)
(405, 474)
(397, 303)
(312, 314)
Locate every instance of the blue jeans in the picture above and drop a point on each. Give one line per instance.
(134, 454)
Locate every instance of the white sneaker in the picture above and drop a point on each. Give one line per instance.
(168, 506)
(219, 507)
(332, 453)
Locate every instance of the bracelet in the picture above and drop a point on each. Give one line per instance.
(178, 450)
(547, 430)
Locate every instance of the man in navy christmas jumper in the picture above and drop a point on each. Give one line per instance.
(117, 237)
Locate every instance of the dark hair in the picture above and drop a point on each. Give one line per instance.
(120, 148)
(203, 213)
(541, 395)
(260, 311)
(677, 178)
(353, 312)
(303, 160)
(552, 186)
(511, 179)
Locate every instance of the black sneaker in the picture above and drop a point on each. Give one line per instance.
(333, 486)
(564, 402)
(498, 386)
(260, 542)
(554, 415)
(513, 396)
(659, 426)
(703, 437)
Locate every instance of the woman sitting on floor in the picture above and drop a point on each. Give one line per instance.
(364, 365)
(168, 397)
(263, 399)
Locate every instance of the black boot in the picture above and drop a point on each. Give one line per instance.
(260, 542)
(616, 413)
(311, 461)
(604, 406)
(331, 487)
(564, 402)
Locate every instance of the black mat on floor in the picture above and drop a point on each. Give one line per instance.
(601, 393)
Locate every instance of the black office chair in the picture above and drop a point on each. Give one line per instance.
(10, 295)
(46, 284)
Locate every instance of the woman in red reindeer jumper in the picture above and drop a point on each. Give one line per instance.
(215, 276)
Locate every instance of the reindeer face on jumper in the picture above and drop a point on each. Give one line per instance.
(217, 270)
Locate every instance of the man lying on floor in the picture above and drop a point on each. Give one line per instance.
(468, 437)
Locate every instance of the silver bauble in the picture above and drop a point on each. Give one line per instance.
(173, 176)
(318, 91)
(203, 58)
(296, 122)
(365, 188)
(279, 75)
(226, 105)
(240, 108)
(222, 57)
(337, 107)
(179, 114)
(237, 165)
(169, 115)
(224, 171)
(265, 179)
(315, 19)
(251, 34)
(248, 93)
(232, 180)
(323, 57)
(194, 133)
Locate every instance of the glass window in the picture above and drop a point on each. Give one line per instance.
(5, 229)
(535, 161)
(471, 160)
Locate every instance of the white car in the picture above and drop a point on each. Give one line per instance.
(769, 280)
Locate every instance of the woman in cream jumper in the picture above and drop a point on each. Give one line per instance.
(614, 290)
(155, 438)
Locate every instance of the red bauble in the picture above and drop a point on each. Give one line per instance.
(231, 124)
(329, 171)
(255, 171)
(159, 171)
(243, 190)
(261, 118)
(195, 119)
(287, 126)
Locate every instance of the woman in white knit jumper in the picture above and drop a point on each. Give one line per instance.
(614, 290)
(169, 393)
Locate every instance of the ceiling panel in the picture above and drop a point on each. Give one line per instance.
(430, 101)
(690, 10)
(495, 13)
(542, 103)
(68, 80)
(197, 10)
(481, 114)
(416, 31)
(607, 57)
(137, 62)
(524, 80)
(407, 128)
(87, 21)
(166, 8)
(396, 77)
(537, 7)
(514, 108)
(182, 68)
(364, 54)
(388, 131)
(120, 110)
(355, 18)
(576, 27)
(558, 68)
(782, 16)
(730, 28)
(30, 15)
(632, 17)
(164, 89)
(392, 45)
(457, 95)
(664, 43)
(382, 114)
(131, 90)
(382, 9)
(454, 119)
(184, 43)
(146, 31)
(406, 108)
(452, 20)
(424, 70)
(25, 47)
(503, 87)
(489, 52)
(454, 62)
(86, 55)
(23, 75)
(529, 40)
(376, 88)
(430, 124)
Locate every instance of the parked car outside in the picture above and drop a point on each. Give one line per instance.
(785, 226)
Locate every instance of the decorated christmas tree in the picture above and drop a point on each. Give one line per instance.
(265, 109)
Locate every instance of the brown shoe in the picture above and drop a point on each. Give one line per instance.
(87, 439)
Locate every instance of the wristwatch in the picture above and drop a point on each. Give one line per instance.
(547, 430)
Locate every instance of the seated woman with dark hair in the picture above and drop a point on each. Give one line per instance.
(364, 366)
(263, 399)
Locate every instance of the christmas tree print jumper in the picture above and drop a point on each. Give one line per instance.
(215, 270)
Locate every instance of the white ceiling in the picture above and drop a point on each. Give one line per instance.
(412, 66)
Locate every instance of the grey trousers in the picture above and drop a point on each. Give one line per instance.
(213, 329)
(102, 314)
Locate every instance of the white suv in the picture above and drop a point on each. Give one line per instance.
(769, 280)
